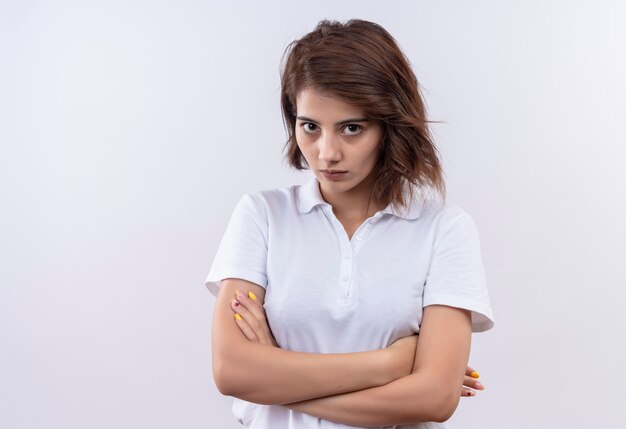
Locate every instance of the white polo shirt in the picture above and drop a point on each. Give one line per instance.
(328, 294)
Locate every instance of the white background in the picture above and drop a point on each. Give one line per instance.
(129, 130)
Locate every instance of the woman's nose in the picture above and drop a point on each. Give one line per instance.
(329, 149)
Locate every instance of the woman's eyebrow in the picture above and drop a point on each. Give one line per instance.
(345, 121)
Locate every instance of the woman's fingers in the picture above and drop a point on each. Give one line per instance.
(251, 310)
(467, 392)
(471, 382)
(252, 304)
(245, 321)
(245, 328)
(472, 372)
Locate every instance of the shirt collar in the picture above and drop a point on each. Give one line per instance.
(309, 196)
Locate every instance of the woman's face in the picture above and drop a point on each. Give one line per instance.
(335, 135)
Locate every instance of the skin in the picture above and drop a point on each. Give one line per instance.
(412, 380)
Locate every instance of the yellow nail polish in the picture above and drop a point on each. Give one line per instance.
(475, 374)
(252, 296)
(237, 316)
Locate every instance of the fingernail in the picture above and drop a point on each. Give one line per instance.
(235, 303)
(237, 316)
(475, 374)
(479, 385)
(238, 294)
(252, 296)
(471, 393)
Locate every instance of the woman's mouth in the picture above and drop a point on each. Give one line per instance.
(333, 174)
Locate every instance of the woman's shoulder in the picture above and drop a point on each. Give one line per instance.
(278, 199)
(273, 195)
(442, 212)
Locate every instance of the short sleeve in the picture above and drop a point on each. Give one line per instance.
(242, 252)
(456, 276)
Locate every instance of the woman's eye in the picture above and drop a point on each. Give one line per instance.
(353, 129)
(309, 127)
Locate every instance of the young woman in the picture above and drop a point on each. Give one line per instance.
(321, 288)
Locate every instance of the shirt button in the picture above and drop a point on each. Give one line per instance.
(358, 237)
(346, 256)
(345, 278)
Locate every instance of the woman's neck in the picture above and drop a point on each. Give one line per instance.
(356, 204)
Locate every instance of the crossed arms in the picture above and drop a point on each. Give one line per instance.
(409, 382)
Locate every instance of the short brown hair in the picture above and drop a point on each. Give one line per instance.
(361, 63)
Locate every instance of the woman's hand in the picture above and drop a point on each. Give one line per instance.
(471, 381)
(250, 317)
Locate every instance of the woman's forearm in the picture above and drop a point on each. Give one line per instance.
(411, 399)
(269, 375)
(430, 393)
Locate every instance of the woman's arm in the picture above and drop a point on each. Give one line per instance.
(430, 393)
(269, 375)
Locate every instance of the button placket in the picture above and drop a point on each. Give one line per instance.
(346, 273)
(354, 245)
(347, 250)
